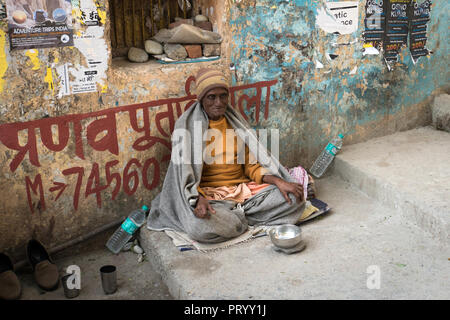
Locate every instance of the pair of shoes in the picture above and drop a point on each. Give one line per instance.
(10, 288)
(45, 271)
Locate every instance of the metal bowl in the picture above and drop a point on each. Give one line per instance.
(285, 236)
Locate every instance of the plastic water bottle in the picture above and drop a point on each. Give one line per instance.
(125, 232)
(324, 159)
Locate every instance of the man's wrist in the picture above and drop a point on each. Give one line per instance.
(271, 179)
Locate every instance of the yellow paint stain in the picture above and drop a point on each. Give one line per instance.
(33, 55)
(49, 79)
(3, 62)
(101, 15)
(56, 55)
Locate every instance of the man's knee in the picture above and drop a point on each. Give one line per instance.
(219, 227)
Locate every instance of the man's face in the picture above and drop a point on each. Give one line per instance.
(215, 103)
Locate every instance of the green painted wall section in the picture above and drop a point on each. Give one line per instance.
(352, 94)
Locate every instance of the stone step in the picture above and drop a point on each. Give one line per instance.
(346, 248)
(408, 171)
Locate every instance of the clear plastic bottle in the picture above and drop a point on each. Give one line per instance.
(324, 159)
(125, 232)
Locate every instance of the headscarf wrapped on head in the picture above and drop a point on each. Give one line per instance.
(208, 79)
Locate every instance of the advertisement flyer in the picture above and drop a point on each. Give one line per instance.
(340, 17)
(39, 23)
(94, 48)
(374, 24)
(397, 26)
(419, 17)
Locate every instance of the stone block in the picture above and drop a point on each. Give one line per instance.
(440, 112)
(193, 50)
(211, 50)
(175, 51)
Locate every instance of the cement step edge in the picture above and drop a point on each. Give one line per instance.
(412, 209)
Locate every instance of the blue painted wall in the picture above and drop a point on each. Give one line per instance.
(274, 39)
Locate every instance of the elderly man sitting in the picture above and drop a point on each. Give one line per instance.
(214, 201)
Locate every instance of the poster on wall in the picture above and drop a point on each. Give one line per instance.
(387, 26)
(374, 24)
(397, 26)
(93, 47)
(39, 23)
(419, 17)
(89, 15)
(338, 17)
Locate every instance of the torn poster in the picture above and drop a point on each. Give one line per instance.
(340, 17)
(89, 15)
(63, 78)
(2, 9)
(419, 17)
(374, 24)
(397, 26)
(39, 24)
(93, 47)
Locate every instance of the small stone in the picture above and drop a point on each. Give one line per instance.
(175, 51)
(153, 47)
(210, 50)
(137, 55)
(200, 18)
(193, 50)
(205, 25)
(137, 249)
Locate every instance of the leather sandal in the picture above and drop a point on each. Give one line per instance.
(45, 271)
(10, 288)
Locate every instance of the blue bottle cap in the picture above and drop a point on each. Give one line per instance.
(144, 207)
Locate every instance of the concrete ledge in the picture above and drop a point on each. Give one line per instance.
(407, 171)
(342, 247)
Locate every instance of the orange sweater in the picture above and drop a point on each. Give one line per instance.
(218, 175)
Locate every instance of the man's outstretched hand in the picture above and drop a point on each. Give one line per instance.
(286, 188)
(203, 208)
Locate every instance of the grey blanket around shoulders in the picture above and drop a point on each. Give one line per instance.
(172, 208)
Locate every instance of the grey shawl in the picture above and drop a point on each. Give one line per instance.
(172, 208)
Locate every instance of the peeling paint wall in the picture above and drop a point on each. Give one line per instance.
(351, 94)
(57, 194)
(60, 193)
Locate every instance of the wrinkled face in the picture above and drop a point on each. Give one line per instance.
(215, 103)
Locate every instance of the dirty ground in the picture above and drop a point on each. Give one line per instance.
(134, 280)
